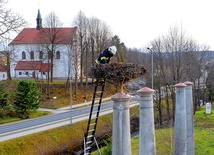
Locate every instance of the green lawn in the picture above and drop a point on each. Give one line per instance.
(203, 134)
(58, 139)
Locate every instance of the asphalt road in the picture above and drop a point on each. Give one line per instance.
(60, 118)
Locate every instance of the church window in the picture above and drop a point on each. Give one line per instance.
(58, 55)
(40, 55)
(23, 55)
(31, 55)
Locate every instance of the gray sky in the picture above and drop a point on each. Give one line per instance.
(136, 22)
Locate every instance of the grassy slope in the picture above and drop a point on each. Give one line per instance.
(68, 137)
(203, 134)
(57, 140)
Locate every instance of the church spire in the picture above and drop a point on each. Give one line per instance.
(38, 21)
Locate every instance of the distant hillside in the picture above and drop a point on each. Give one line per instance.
(208, 55)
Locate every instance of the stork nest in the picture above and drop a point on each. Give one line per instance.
(117, 73)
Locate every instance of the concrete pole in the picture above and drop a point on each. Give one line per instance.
(147, 128)
(189, 119)
(180, 121)
(121, 144)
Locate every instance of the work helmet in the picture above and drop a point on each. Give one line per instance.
(113, 49)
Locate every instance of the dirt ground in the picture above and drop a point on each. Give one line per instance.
(62, 95)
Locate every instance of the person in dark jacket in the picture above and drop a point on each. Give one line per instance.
(106, 55)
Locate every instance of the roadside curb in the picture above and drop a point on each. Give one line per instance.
(63, 109)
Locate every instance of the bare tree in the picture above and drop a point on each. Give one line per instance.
(5, 61)
(92, 37)
(74, 60)
(81, 22)
(9, 21)
(210, 83)
(174, 59)
(135, 55)
(103, 36)
(93, 22)
(99, 37)
(51, 33)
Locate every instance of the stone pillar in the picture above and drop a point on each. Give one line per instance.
(189, 119)
(121, 144)
(180, 121)
(147, 128)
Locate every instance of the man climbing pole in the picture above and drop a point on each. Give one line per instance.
(106, 55)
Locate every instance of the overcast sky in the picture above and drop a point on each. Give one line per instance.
(136, 22)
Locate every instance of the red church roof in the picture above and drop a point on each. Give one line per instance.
(34, 36)
(45, 67)
(32, 65)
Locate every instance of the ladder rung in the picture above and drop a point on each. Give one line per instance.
(99, 92)
(101, 84)
(94, 117)
(94, 112)
(93, 124)
(90, 136)
(88, 148)
(89, 142)
(91, 130)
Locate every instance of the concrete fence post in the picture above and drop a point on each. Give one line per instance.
(189, 119)
(180, 121)
(121, 144)
(147, 144)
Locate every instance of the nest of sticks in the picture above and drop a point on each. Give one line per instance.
(117, 73)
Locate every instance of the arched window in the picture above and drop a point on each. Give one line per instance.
(57, 54)
(40, 55)
(23, 55)
(31, 55)
(49, 54)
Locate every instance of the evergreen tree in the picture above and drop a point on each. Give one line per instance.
(26, 98)
(3, 97)
(3, 101)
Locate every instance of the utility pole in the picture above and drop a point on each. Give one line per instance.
(150, 49)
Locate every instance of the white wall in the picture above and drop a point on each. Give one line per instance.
(3, 76)
(61, 65)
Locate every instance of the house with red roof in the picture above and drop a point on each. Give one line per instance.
(38, 51)
(3, 69)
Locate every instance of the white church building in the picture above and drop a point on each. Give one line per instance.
(37, 51)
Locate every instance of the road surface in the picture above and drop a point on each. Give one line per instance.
(59, 118)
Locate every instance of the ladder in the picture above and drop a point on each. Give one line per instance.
(89, 136)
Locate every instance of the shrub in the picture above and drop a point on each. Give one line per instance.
(3, 97)
(26, 98)
(108, 149)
